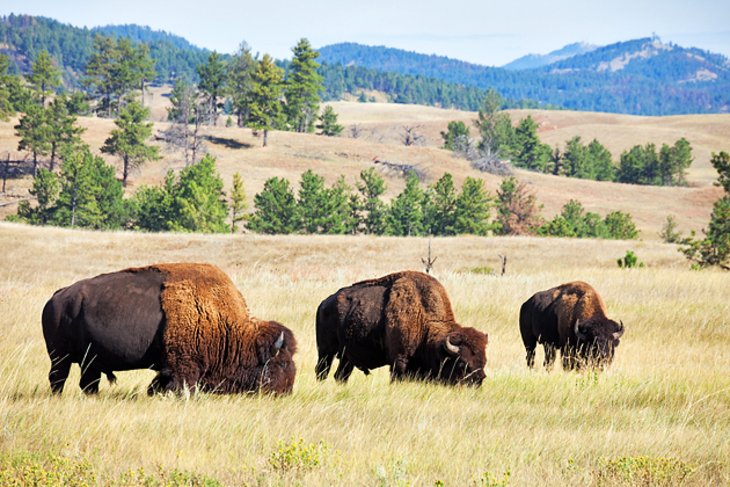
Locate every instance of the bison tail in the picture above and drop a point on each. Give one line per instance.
(111, 377)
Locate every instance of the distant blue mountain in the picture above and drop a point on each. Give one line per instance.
(642, 76)
(532, 61)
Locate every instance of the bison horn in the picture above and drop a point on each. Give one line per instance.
(279, 342)
(451, 347)
(617, 334)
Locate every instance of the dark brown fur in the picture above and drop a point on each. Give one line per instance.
(550, 317)
(187, 321)
(402, 320)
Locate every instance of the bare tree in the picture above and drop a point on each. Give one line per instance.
(188, 115)
(355, 131)
(410, 137)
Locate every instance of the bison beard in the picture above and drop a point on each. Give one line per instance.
(570, 317)
(403, 320)
(186, 321)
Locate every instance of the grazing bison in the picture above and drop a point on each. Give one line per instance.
(186, 321)
(571, 317)
(403, 320)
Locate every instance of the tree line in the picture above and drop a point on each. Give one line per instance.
(521, 145)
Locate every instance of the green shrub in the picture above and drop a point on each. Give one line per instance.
(629, 261)
(297, 455)
(642, 470)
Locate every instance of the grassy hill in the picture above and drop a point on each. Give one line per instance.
(381, 126)
(660, 414)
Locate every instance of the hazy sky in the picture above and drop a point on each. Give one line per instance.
(485, 32)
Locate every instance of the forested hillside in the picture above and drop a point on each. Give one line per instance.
(642, 77)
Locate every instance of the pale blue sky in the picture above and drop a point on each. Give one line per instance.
(485, 32)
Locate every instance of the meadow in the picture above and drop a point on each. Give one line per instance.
(660, 415)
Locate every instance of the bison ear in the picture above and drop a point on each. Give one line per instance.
(450, 347)
(578, 332)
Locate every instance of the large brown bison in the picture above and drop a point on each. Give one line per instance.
(403, 320)
(571, 317)
(186, 321)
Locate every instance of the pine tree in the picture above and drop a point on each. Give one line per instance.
(275, 208)
(312, 203)
(45, 76)
(265, 100)
(62, 128)
(34, 133)
(456, 137)
(371, 186)
(530, 153)
(405, 217)
(241, 70)
(101, 72)
(440, 212)
(340, 215)
(128, 140)
(328, 123)
(6, 105)
(473, 207)
(517, 210)
(302, 88)
(212, 83)
(239, 205)
(602, 161)
(45, 190)
(199, 200)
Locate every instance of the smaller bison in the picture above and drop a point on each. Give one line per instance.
(188, 322)
(403, 320)
(571, 317)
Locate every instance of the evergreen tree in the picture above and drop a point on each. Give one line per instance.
(265, 96)
(575, 158)
(302, 88)
(90, 195)
(473, 207)
(45, 190)
(45, 76)
(371, 186)
(673, 163)
(239, 204)
(529, 152)
(340, 215)
(154, 206)
(275, 208)
(128, 140)
(602, 161)
(212, 83)
(312, 203)
(200, 204)
(6, 105)
(62, 128)
(241, 70)
(440, 211)
(494, 126)
(517, 209)
(405, 217)
(714, 249)
(101, 72)
(34, 133)
(328, 123)
(619, 225)
(456, 137)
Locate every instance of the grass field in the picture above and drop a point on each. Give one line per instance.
(659, 416)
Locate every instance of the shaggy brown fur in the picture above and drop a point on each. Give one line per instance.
(212, 341)
(402, 320)
(571, 317)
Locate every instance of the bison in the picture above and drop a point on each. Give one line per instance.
(571, 317)
(186, 321)
(403, 320)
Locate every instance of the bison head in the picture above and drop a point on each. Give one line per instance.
(276, 346)
(465, 357)
(598, 339)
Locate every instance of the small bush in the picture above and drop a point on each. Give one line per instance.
(296, 455)
(641, 470)
(629, 261)
(488, 479)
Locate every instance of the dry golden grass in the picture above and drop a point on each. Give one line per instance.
(667, 396)
(381, 126)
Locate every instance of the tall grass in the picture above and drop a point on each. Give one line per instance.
(659, 416)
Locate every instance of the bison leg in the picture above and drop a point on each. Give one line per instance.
(59, 373)
(570, 360)
(399, 369)
(161, 383)
(344, 369)
(531, 358)
(322, 369)
(90, 377)
(550, 353)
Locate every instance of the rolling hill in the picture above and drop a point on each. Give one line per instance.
(380, 129)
